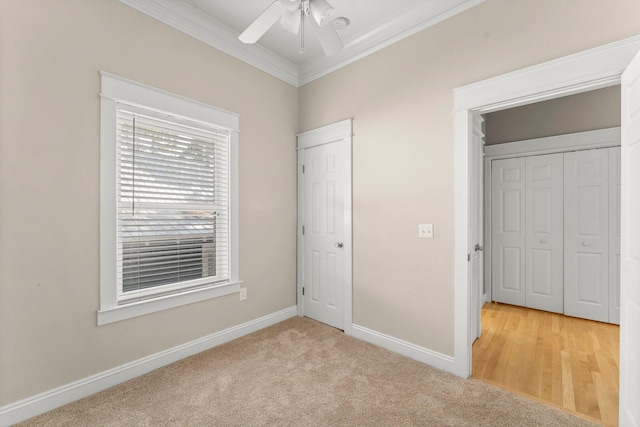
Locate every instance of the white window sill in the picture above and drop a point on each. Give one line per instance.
(127, 311)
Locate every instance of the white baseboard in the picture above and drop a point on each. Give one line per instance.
(405, 348)
(41, 403)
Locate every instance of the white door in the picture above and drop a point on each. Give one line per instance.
(507, 231)
(586, 231)
(476, 241)
(614, 235)
(324, 267)
(544, 232)
(630, 248)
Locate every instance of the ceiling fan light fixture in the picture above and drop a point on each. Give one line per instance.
(340, 23)
(321, 11)
(293, 15)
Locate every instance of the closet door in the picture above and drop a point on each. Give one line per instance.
(586, 226)
(544, 232)
(507, 231)
(614, 235)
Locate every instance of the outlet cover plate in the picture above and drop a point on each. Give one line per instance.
(425, 231)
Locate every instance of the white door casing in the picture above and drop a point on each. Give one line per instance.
(324, 225)
(508, 232)
(544, 228)
(614, 235)
(630, 248)
(586, 234)
(476, 237)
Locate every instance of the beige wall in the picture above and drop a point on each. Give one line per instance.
(598, 109)
(50, 56)
(401, 99)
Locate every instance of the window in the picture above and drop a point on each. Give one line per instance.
(168, 201)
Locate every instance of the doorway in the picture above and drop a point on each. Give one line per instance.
(589, 70)
(592, 69)
(562, 361)
(324, 280)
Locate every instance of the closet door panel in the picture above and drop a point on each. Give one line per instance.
(614, 235)
(544, 232)
(508, 233)
(586, 231)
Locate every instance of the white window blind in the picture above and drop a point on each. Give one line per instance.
(172, 203)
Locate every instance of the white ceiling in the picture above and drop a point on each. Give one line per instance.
(374, 24)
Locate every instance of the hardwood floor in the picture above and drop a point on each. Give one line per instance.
(564, 361)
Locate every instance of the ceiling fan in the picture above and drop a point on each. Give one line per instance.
(292, 15)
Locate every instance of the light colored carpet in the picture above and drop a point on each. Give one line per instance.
(303, 373)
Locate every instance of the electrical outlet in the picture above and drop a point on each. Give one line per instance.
(243, 294)
(425, 231)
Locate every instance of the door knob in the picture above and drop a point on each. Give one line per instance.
(339, 245)
(479, 248)
(585, 243)
(543, 241)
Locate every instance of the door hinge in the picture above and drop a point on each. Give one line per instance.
(303, 230)
(468, 257)
(303, 291)
(302, 168)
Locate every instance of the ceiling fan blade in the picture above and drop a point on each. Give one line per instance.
(321, 11)
(328, 38)
(291, 5)
(262, 23)
(291, 21)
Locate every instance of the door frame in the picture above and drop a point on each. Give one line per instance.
(342, 133)
(581, 72)
(476, 234)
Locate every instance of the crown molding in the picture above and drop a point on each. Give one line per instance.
(208, 30)
(404, 23)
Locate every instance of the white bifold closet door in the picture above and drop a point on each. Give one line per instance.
(527, 232)
(507, 231)
(586, 242)
(556, 233)
(544, 232)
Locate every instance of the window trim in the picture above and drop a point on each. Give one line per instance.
(113, 89)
